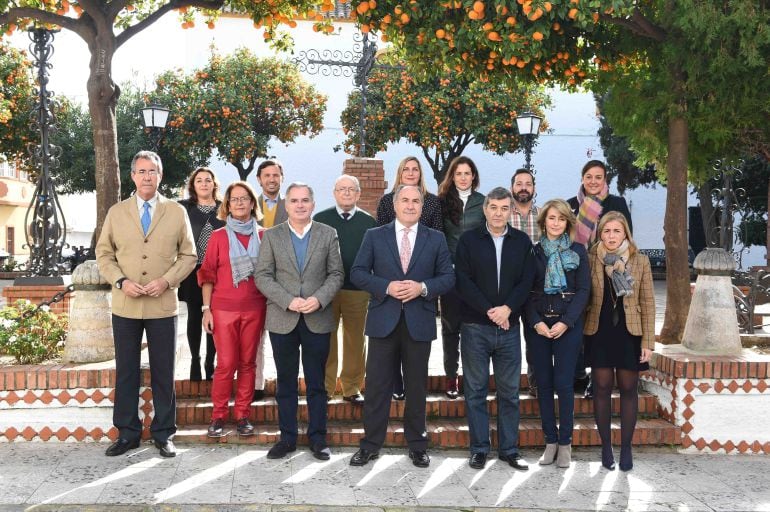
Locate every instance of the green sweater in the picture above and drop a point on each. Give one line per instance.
(350, 233)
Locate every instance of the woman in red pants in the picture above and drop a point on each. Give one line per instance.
(233, 307)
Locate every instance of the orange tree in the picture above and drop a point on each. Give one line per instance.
(684, 64)
(16, 97)
(105, 25)
(236, 104)
(442, 116)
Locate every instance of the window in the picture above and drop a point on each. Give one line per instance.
(10, 242)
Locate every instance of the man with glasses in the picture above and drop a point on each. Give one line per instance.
(350, 302)
(145, 250)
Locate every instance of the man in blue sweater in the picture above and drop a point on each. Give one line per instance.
(495, 269)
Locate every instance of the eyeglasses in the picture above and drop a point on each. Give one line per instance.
(350, 190)
(240, 200)
(143, 172)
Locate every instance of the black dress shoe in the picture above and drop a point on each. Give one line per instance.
(515, 461)
(280, 449)
(121, 446)
(419, 458)
(362, 457)
(259, 394)
(321, 451)
(217, 428)
(399, 396)
(357, 399)
(167, 449)
(478, 460)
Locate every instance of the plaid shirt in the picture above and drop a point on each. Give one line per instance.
(527, 224)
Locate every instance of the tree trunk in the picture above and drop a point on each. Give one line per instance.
(103, 96)
(675, 233)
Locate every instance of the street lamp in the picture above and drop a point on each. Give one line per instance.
(529, 128)
(154, 118)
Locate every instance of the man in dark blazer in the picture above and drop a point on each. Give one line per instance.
(405, 266)
(495, 269)
(299, 270)
(145, 250)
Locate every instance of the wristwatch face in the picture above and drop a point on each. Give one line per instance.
(119, 285)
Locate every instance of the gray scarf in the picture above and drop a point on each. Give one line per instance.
(243, 261)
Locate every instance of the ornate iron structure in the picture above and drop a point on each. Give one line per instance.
(356, 63)
(45, 225)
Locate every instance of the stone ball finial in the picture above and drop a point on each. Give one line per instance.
(87, 275)
(714, 262)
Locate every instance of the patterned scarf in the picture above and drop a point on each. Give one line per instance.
(242, 260)
(615, 267)
(561, 259)
(588, 214)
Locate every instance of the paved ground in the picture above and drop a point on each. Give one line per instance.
(230, 477)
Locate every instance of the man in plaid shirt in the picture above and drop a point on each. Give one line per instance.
(524, 218)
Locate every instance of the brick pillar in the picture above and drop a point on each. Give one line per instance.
(371, 174)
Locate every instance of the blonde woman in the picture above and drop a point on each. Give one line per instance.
(554, 312)
(619, 329)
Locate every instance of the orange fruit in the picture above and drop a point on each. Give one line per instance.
(404, 18)
(537, 36)
(440, 33)
(478, 6)
(511, 20)
(572, 14)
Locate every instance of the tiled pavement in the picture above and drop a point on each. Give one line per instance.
(227, 477)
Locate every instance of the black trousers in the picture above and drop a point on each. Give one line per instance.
(451, 305)
(161, 341)
(194, 331)
(383, 354)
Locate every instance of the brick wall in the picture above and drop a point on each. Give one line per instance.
(371, 173)
(37, 294)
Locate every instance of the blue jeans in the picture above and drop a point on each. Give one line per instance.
(286, 352)
(554, 362)
(480, 343)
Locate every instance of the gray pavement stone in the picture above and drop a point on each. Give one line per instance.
(234, 478)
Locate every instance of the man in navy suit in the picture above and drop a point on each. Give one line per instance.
(404, 266)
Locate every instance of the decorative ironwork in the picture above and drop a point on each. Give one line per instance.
(727, 202)
(356, 63)
(45, 225)
(757, 291)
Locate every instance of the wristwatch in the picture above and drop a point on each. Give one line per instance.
(424, 292)
(119, 283)
(205, 307)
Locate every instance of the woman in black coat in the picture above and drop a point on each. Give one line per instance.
(592, 202)
(201, 205)
(554, 312)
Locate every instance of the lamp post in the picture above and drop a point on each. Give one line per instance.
(529, 128)
(154, 118)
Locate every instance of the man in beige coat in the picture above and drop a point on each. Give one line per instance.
(145, 250)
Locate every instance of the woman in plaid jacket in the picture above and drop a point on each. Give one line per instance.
(619, 329)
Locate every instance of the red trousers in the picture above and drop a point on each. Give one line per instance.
(236, 335)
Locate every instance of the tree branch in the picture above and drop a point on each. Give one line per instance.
(155, 16)
(14, 14)
(638, 24)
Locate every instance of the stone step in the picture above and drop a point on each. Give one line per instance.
(444, 433)
(202, 389)
(198, 411)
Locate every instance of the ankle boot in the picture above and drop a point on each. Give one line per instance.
(626, 458)
(608, 459)
(195, 369)
(549, 455)
(564, 455)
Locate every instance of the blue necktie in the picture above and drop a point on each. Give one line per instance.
(146, 218)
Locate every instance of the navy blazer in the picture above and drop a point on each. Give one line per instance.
(378, 263)
(476, 267)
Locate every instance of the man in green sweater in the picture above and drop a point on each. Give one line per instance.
(350, 303)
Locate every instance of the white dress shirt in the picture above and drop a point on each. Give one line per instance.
(400, 235)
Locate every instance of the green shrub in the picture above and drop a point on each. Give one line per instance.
(34, 339)
(10, 265)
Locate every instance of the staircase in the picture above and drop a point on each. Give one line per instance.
(447, 426)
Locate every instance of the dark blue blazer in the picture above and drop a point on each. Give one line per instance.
(378, 263)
